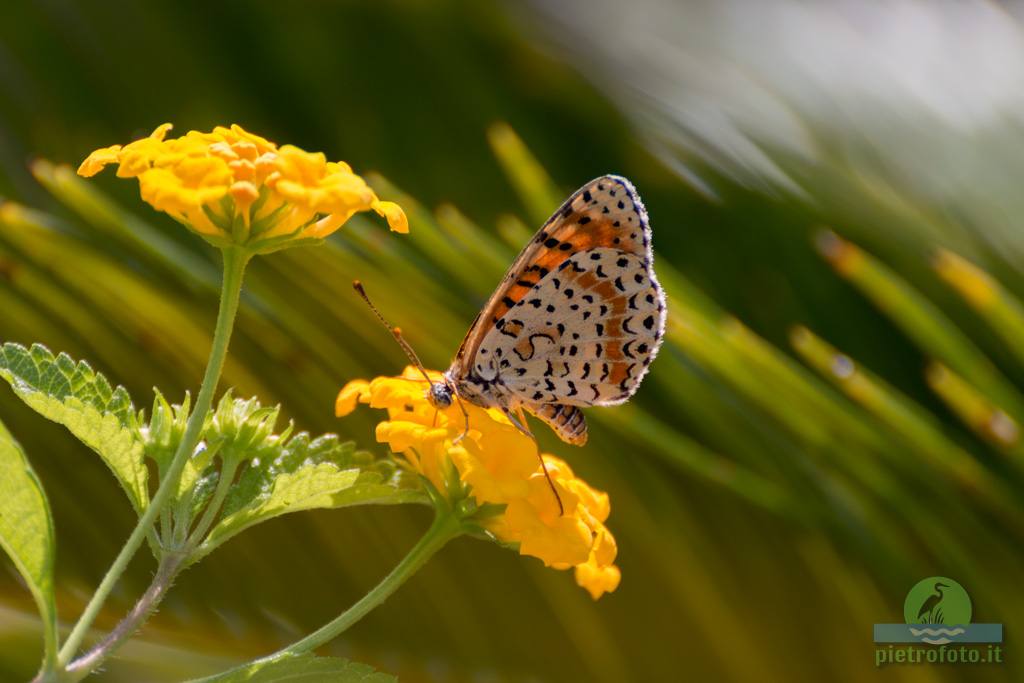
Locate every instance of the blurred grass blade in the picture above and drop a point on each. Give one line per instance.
(786, 378)
(424, 234)
(993, 302)
(780, 388)
(685, 454)
(113, 222)
(916, 426)
(26, 532)
(538, 192)
(920, 320)
(513, 231)
(975, 410)
(133, 320)
(478, 246)
(887, 404)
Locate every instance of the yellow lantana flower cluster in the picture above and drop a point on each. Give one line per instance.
(500, 466)
(233, 187)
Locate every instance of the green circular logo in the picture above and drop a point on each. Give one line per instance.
(937, 600)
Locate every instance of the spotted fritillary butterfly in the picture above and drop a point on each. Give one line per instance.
(575, 322)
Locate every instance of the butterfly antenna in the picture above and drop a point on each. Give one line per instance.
(396, 332)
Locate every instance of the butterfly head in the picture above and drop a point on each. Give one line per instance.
(441, 394)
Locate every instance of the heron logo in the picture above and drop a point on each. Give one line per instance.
(937, 612)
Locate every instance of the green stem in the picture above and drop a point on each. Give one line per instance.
(91, 660)
(165, 526)
(51, 641)
(446, 526)
(235, 260)
(227, 476)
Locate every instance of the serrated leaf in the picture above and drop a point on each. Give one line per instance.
(304, 474)
(76, 396)
(26, 527)
(303, 669)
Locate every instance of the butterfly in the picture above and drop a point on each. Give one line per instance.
(576, 321)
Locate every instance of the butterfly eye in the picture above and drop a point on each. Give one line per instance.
(440, 395)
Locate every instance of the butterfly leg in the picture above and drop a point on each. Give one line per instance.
(465, 415)
(519, 422)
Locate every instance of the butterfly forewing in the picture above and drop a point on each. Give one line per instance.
(605, 212)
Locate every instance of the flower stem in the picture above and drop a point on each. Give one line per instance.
(51, 640)
(446, 526)
(162, 581)
(235, 260)
(227, 476)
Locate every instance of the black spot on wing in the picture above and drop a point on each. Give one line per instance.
(623, 385)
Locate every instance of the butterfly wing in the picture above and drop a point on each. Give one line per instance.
(584, 335)
(580, 315)
(606, 212)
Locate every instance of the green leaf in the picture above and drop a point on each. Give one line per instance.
(26, 529)
(303, 669)
(302, 474)
(74, 395)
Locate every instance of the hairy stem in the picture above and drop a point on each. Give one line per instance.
(235, 260)
(445, 527)
(161, 583)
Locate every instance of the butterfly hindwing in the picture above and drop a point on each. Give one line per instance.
(584, 335)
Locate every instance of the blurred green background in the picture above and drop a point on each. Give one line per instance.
(771, 497)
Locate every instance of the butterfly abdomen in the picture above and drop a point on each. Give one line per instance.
(567, 421)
